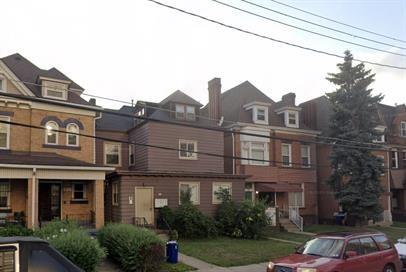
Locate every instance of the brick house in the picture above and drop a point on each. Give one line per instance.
(45, 174)
(146, 177)
(316, 115)
(287, 178)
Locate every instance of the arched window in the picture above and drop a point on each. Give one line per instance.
(51, 133)
(72, 139)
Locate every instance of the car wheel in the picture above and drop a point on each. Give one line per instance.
(389, 268)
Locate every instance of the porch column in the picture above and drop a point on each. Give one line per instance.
(32, 203)
(98, 203)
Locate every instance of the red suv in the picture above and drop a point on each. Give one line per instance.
(341, 252)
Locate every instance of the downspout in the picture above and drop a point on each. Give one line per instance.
(34, 196)
(232, 137)
(94, 133)
(389, 195)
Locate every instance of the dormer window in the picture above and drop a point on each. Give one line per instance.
(55, 93)
(259, 112)
(185, 112)
(55, 89)
(2, 84)
(403, 128)
(380, 138)
(292, 119)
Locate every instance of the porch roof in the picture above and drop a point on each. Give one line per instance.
(278, 187)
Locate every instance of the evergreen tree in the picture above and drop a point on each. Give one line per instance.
(356, 171)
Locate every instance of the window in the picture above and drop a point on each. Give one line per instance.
(7, 258)
(112, 154)
(131, 154)
(368, 245)
(296, 199)
(72, 139)
(354, 245)
(260, 115)
(114, 196)
(79, 191)
(194, 188)
(187, 149)
(249, 191)
(255, 150)
(216, 188)
(383, 162)
(404, 158)
(305, 155)
(4, 133)
(380, 139)
(382, 242)
(55, 93)
(395, 159)
(403, 128)
(190, 113)
(292, 119)
(180, 111)
(286, 155)
(4, 194)
(51, 133)
(185, 112)
(2, 84)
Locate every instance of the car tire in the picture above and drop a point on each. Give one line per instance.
(389, 268)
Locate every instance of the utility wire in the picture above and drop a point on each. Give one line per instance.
(307, 30)
(338, 22)
(270, 38)
(320, 25)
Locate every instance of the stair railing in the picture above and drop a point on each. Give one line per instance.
(295, 217)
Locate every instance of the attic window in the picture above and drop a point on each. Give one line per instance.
(185, 112)
(260, 115)
(292, 119)
(2, 84)
(55, 93)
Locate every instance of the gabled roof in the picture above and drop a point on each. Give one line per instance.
(28, 72)
(180, 97)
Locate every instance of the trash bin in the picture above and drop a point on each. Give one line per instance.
(172, 252)
(339, 218)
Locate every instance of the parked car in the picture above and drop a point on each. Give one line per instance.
(341, 252)
(30, 254)
(401, 248)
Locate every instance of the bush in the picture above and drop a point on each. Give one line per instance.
(56, 227)
(135, 249)
(250, 220)
(165, 218)
(226, 213)
(15, 230)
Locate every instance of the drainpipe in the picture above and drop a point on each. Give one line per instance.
(389, 196)
(34, 197)
(232, 137)
(94, 133)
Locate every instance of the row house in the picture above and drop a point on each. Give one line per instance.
(164, 150)
(47, 174)
(392, 124)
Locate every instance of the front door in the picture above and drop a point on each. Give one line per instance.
(49, 201)
(144, 203)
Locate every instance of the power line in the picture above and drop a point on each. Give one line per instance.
(322, 26)
(307, 30)
(338, 22)
(270, 38)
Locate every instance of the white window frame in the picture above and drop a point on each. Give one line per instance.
(290, 154)
(178, 112)
(215, 200)
(246, 151)
(84, 191)
(295, 193)
(255, 115)
(114, 192)
(197, 184)
(8, 196)
(296, 113)
(187, 142)
(308, 156)
(69, 134)
(3, 84)
(404, 158)
(403, 129)
(55, 89)
(7, 119)
(131, 150)
(189, 115)
(105, 153)
(396, 159)
(56, 133)
(250, 190)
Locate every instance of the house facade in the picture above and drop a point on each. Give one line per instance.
(271, 145)
(45, 172)
(172, 152)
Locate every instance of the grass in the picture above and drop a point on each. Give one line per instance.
(179, 267)
(223, 251)
(399, 224)
(274, 232)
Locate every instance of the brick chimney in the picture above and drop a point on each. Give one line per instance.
(289, 99)
(214, 106)
(92, 101)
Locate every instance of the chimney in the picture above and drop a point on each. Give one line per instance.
(289, 99)
(214, 106)
(92, 101)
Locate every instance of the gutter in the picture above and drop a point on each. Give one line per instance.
(55, 167)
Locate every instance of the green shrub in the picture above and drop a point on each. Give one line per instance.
(250, 220)
(165, 218)
(226, 213)
(56, 227)
(15, 230)
(80, 248)
(135, 249)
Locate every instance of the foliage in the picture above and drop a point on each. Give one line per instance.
(56, 227)
(226, 213)
(173, 235)
(186, 196)
(179, 267)
(135, 249)
(356, 176)
(165, 218)
(15, 230)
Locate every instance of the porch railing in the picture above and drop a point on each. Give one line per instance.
(142, 222)
(85, 220)
(295, 217)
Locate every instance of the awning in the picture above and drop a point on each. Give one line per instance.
(398, 179)
(277, 187)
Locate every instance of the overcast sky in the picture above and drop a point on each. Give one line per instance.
(137, 50)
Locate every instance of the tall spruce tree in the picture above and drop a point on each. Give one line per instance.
(356, 171)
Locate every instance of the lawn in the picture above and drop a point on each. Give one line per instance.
(399, 224)
(274, 232)
(226, 252)
(179, 267)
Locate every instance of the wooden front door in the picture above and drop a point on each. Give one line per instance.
(144, 203)
(49, 201)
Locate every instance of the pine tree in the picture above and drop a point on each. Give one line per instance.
(356, 171)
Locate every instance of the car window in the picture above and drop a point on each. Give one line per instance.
(382, 242)
(42, 261)
(325, 247)
(368, 245)
(354, 245)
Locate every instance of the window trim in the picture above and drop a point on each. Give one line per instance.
(396, 159)
(296, 113)
(403, 129)
(105, 153)
(67, 134)
(187, 113)
(194, 155)
(3, 84)
(190, 183)
(255, 109)
(215, 201)
(8, 196)
(247, 145)
(114, 191)
(84, 191)
(383, 162)
(290, 154)
(56, 133)
(55, 89)
(309, 165)
(7, 119)
(131, 150)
